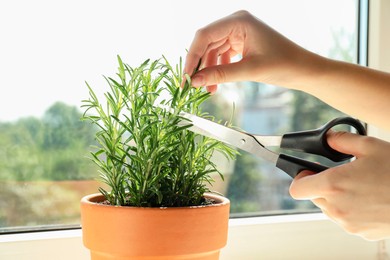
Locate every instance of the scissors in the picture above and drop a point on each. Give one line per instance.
(310, 141)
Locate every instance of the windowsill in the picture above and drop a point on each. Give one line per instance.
(302, 236)
(41, 235)
(233, 223)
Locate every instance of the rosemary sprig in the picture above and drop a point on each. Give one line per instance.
(145, 157)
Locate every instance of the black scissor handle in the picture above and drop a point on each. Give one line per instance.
(294, 165)
(315, 142)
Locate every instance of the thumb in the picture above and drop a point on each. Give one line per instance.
(346, 142)
(217, 74)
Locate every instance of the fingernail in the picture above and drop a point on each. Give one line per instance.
(197, 81)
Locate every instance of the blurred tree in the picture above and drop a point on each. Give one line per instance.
(19, 156)
(66, 142)
(309, 112)
(51, 148)
(63, 127)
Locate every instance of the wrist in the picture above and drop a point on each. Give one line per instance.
(299, 69)
(310, 71)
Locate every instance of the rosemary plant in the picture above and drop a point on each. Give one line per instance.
(144, 156)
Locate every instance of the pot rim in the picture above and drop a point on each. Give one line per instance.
(92, 199)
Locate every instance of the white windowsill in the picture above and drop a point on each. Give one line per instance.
(302, 236)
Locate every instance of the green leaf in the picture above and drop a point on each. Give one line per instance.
(121, 69)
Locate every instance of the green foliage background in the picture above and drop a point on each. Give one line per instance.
(53, 147)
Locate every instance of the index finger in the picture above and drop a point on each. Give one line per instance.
(308, 185)
(204, 37)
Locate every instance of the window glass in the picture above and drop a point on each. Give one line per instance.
(50, 48)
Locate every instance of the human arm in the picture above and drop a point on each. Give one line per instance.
(269, 57)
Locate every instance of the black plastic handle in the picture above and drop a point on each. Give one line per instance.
(314, 141)
(293, 165)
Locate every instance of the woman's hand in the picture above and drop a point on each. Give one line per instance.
(267, 56)
(355, 195)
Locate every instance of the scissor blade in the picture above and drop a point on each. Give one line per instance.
(269, 140)
(228, 135)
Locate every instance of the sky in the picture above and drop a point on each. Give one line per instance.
(48, 49)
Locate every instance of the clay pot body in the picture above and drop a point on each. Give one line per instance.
(114, 232)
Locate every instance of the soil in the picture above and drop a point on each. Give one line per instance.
(206, 201)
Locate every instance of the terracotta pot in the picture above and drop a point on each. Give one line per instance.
(114, 232)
